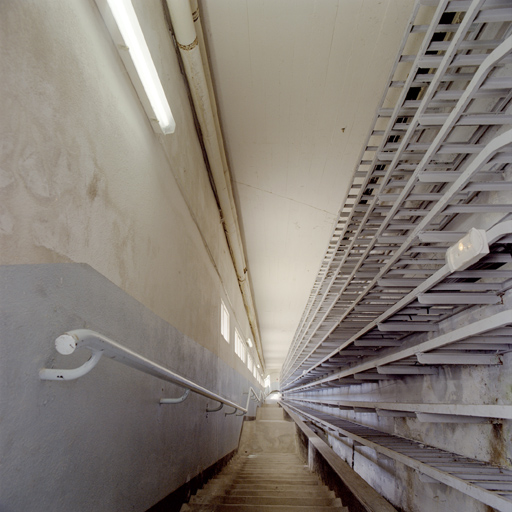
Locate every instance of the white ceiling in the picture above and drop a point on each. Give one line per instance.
(298, 83)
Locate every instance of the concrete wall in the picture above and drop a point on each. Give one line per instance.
(84, 179)
(102, 442)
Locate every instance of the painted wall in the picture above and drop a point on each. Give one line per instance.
(84, 179)
(101, 442)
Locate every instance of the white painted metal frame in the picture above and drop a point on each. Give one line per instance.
(488, 484)
(385, 305)
(461, 411)
(416, 181)
(487, 325)
(100, 346)
(503, 344)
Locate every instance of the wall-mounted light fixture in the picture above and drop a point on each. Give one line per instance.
(249, 342)
(468, 250)
(126, 32)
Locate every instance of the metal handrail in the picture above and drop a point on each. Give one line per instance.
(100, 345)
(257, 398)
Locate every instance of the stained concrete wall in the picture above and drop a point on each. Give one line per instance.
(102, 442)
(85, 179)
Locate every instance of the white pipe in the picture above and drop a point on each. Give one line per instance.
(182, 22)
(198, 76)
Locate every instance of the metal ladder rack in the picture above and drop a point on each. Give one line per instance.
(391, 330)
(435, 152)
(491, 485)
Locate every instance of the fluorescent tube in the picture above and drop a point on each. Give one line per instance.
(129, 27)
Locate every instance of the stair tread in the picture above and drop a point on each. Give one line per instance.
(295, 493)
(260, 508)
(262, 500)
(264, 467)
(289, 481)
(276, 487)
(204, 493)
(301, 473)
(270, 455)
(265, 481)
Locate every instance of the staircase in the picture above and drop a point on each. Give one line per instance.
(266, 475)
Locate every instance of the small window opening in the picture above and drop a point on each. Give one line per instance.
(239, 346)
(224, 321)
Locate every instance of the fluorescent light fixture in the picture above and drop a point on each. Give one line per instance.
(249, 342)
(467, 250)
(130, 39)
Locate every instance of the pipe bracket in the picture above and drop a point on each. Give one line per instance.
(75, 373)
(214, 410)
(182, 398)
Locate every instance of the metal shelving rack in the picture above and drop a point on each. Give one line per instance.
(438, 149)
(385, 303)
(489, 484)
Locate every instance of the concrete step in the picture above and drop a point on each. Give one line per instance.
(295, 493)
(268, 464)
(206, 496)
(255, 477)
(277, 462)
(259, 508)
(250, 475)
(262, 469)
(274, 470)
(263, 500)
(268, 455)
(195, 507)
(274, 467)
(261, 462)
(269, 413)
(266, 490)
(286, 481)
(265, 481)
(262, 473)
(261, 459)
(272, 488)
(277, 459)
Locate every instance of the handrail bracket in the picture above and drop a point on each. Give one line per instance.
(178, 400)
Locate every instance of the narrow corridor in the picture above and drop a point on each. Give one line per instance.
(267, 474)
